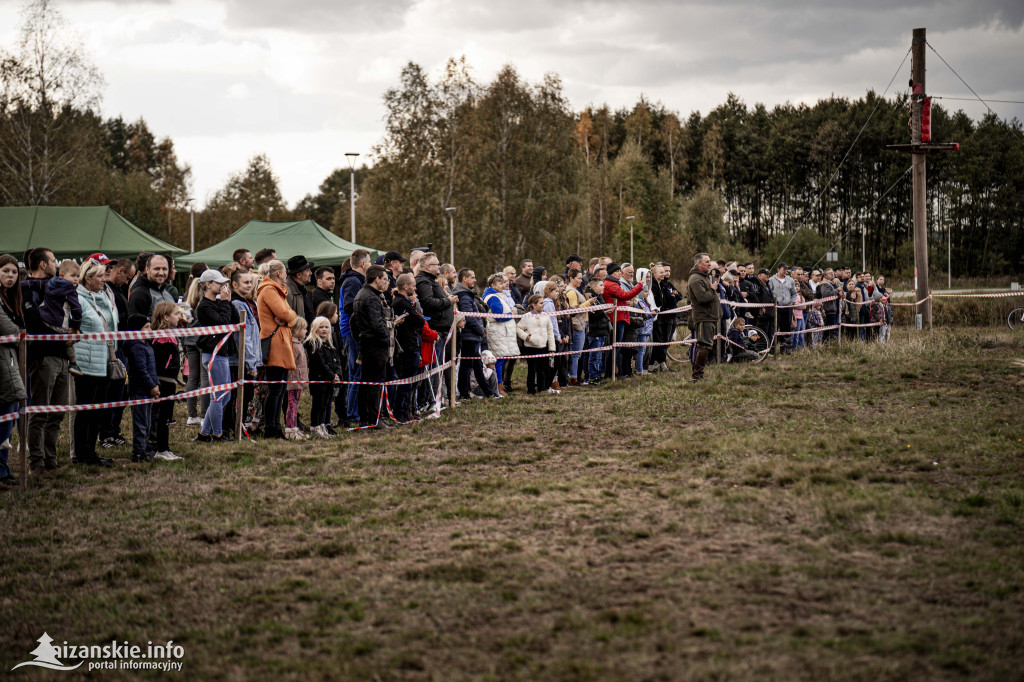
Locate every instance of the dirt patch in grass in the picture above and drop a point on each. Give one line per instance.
(850, 514)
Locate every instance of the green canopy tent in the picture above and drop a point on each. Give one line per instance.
(304, 237)
(76, 232)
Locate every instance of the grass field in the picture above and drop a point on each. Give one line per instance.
(852, 513)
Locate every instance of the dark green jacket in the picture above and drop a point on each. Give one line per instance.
(703, 297)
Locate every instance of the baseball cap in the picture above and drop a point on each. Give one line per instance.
(392, 255)
(764, 271)
(213, 276)
(782, 265)
(101, 258)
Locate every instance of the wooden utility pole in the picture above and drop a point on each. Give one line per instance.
(921, 288)
(920, 146)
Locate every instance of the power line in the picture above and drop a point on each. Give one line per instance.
(961, 78)
(971, 99)
(845, 156)
(875, 203)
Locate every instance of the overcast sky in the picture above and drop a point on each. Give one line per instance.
(302, 80)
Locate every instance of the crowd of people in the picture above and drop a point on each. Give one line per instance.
(343, 335)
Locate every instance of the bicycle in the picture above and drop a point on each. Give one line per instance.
(1015, 320)
(756, 340)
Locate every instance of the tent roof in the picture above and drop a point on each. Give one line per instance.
(304, 237)
(75, 232)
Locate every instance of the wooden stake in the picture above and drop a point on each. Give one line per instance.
(23, 419)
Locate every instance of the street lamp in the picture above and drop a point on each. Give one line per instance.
(351, 156)
(451, 230)
(630, 218)
(192, 225)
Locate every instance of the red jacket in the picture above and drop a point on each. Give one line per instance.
(614, 293)
(427, 350)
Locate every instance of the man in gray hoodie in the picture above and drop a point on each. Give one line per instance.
(784, 290)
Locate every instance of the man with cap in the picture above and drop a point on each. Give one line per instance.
(300, 271)
(784, 290)
(573, 261)
(705, 313)
(393, 264)
(614, 293)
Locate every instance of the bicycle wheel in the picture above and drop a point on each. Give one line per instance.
(1015, 319)
(679, 353)
(759, 342)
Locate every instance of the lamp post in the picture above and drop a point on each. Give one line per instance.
(191, 225)
(451, 231)
(351, 156)
(629, 219)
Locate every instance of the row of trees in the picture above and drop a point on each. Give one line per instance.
(529, 176)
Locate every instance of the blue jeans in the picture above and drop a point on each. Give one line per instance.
(595, 361)
(220, 374)
(578, 339)
(798, 339)
(642, 351)
(6, 429)
(142, 415)
(355, 373)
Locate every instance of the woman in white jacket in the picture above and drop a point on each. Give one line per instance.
(538, 337)
(501, 331)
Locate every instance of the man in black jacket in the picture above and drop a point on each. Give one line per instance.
(473, 336)
(408, 334)
(438, 307)
(666, 297)
(150, 288)
(324, 290)
(373, 324)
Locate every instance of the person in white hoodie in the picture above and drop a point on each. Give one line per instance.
(538, 337)
(645, 301)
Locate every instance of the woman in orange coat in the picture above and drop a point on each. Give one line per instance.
(276, 342)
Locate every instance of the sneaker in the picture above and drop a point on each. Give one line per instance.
(73, 369)
(203, 438)
(165, 456)
(194, 421)
(554, 391)
(119, 440)
(142, 459)
(8, 482)
(6, 445)
(330, 430)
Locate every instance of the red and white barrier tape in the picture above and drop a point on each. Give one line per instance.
(504, 317)
(538, 355)
(394, 382)
(122, 336)
(645, 344)
(1006, 294)
(927, 298)
(50, 409)
(872, 324)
